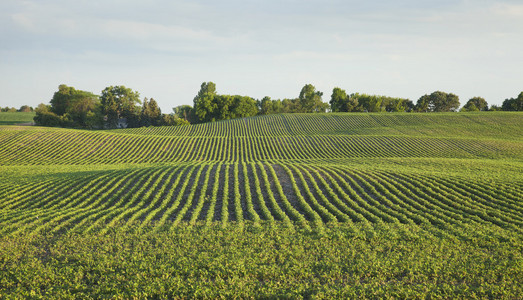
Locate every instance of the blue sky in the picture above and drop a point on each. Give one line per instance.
(166, 49)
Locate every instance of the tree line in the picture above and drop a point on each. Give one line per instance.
(116, 107)
(23, 108)
(120, 107)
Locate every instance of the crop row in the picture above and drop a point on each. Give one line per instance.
(490, 124)
(43, 147)
(297, 194)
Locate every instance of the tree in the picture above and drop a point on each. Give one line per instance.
(277, 107)
(119, 102)
(266, 106)
(66, 97)
(244, 106)
(204, 105)
(151, 114)
(513, 104)
(495, 108)
(475, 104)
(183, 112)
(223, 108)
(290, 105)
(310, 100)
(45, 117)
(437, 102)
(25, 108)
(79, 110)
(71, 107)
(339, 100)
(173, 120)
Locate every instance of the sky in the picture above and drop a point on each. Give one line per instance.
(165, 49)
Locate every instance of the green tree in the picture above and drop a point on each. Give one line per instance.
(183, 112)
(290, 105)
(266, 106)
(339, 100)
(45, 117)
(310, 100)
(204, 106)
(78, 110)
(66, 97)
(25, 108)
(173, 120)
(277, 107)
(475, 104)
(513, 104)
(119, 102)
(438, 102)
(223, 108)
(244, 106)
(151, 114)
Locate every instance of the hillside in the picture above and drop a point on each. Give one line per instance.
(293, 168)
(272, 200)
(12, 118)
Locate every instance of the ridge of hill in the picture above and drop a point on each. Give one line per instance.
(301, 137)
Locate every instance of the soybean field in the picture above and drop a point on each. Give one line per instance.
(293, 205)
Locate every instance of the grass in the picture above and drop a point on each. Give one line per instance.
(299, 205)
(12, 118)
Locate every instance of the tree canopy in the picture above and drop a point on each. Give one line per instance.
(513, 104)
(476, 104)
(119, 102)
(437, 102)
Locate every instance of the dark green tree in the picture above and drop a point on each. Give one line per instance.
(437, 102)
(45, 117)
(277, 107)
(67, 97)
(119, 102)
(475, 104)
(151, 114)
(183, 112)
(244, 106)
(266, 106)
(310, 100)
(513, 104)
(204, 106)
(338, 100)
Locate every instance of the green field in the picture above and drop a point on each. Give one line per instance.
(294, 205)
(12, 118)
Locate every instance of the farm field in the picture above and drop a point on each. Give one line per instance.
(293, 205)
(11, 118)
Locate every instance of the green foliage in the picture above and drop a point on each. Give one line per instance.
(310, 100)
(279, 206)
(208, 261)
(204, 106)
(8, 109)
(70, 108)
(513, 104)
(45, 117)
(476, 104)
(210, 107)
(25, 108)
(184, 112)
(119, 102)
(151, 114)
(341, 102)
(437, 102)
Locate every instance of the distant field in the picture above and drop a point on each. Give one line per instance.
(293, 205)
(11, 118)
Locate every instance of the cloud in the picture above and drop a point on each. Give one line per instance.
(508, 10)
